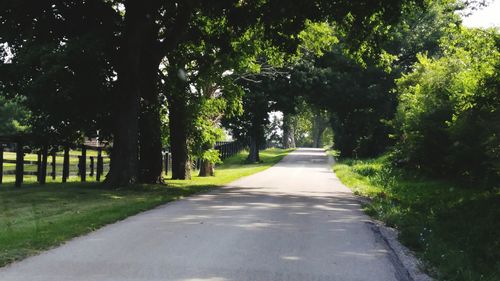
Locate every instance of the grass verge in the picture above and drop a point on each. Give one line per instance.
(34, 217)
(454, 229)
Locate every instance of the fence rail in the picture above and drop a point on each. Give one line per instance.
(44, 161)
(226, 149)
(20, 159)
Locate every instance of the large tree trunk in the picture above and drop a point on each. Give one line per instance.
(207, 169)
(253, 154)
(256, 134)
(150, 141)
(288, 132)
(135, 76)
(150, 157)
(124, 157)
(178, 123)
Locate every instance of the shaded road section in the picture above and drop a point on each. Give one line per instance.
(294, 221)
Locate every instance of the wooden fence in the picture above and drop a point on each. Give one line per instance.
(88, 162)
(226, 149)
(21, 159)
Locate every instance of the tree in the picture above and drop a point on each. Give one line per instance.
(354, 86)
(448, 109)
(12, 117)
(354, 96)
(58, 61)
(119, 61)
(319, 125)
(251, 124)
(288, 131)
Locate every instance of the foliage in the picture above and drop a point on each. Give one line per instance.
(448, 116)
(354, 85)
(205, 130)
(420, 31)
(303, 129)
(164, 130)
(356, 98)
(12, 117)
(327, 138)
(316, 39)
(453, 228)
(63, 74)
(273, 131)
(256, 106)
(92, 65)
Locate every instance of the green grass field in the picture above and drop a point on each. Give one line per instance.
(34, 218)
(455, 229)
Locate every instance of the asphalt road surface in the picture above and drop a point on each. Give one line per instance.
(294, 221)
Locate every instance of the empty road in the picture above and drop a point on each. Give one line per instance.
(294, 221)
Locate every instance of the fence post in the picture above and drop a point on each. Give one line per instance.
(100, 164)
(91, 166)
(53, 164)
(83, 167)
(1, 163)
(65, 173)
(38, 165)
(79, 170)
(19, 164)
(43, 166)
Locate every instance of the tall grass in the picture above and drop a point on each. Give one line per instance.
(455, 229)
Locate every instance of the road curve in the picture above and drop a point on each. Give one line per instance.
(294, 221)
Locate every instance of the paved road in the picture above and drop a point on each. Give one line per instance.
(294, 221)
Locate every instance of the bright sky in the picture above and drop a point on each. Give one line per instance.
(486, 17)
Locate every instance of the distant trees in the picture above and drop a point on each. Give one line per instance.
(250, 125)
(349, 98)
(354, 86)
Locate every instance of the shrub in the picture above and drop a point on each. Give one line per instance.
(448, 118)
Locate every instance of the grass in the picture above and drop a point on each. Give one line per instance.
(34, 218)
(454, 229)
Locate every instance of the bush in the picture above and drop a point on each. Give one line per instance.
(448, 117)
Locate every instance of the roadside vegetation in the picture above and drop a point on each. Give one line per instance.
(35, 217)
(453, 227)
(370, 77)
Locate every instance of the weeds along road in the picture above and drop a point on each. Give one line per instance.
(294, 221)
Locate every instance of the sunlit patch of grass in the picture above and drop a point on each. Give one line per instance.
(454, 228)
(34, 217)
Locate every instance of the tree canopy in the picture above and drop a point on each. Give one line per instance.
(179, 73)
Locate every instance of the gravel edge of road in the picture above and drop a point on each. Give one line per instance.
(407, 265)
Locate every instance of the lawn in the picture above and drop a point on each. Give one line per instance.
(34, 217)
(454, 228)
